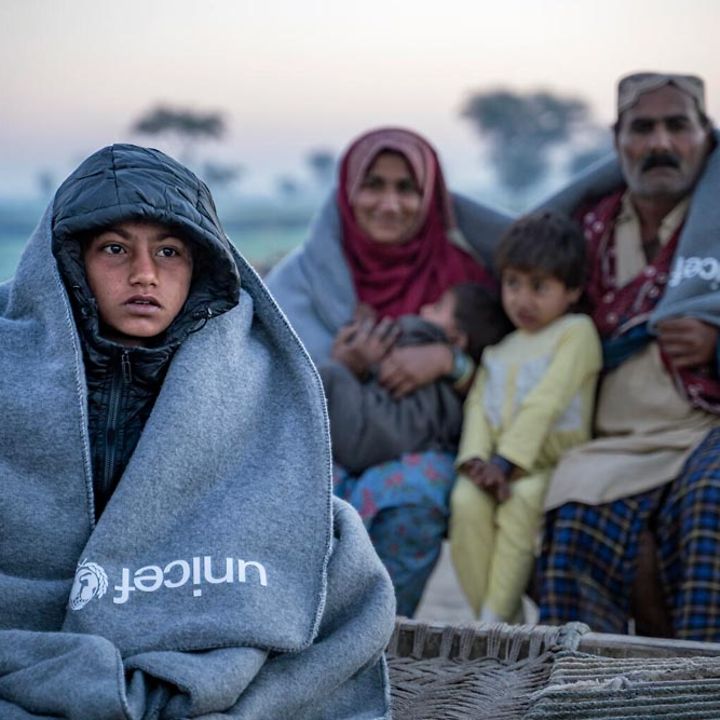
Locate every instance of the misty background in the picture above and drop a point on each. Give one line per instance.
(261, 98)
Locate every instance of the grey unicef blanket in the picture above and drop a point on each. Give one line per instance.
(221, 579)
(313, 285)
(695, 274)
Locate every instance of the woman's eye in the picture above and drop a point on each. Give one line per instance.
(408, 188)
(372, 183)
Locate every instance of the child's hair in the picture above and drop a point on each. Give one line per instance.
(546, 242)
(480, 316)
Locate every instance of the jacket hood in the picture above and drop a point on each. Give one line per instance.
(127, 182)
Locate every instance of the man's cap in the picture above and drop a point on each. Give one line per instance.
(631, 87)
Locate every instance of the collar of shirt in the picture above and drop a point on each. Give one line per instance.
(629, 254)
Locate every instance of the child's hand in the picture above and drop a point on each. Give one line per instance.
(488, 477)
(496, 483)
(473, 468)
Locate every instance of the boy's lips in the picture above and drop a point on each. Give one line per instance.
(143, 304)
(143, 300)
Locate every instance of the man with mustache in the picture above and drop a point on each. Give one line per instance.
(633, 527)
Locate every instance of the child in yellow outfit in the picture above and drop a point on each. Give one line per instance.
(531, 400)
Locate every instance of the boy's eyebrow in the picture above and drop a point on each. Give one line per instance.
(161, 235)
(117, 230)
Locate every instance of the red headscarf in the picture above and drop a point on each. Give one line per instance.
(399, 278)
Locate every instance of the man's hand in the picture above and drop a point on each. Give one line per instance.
(688, 342)
(406, 369)
(363, 343)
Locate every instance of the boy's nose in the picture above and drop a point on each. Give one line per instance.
(143, 269)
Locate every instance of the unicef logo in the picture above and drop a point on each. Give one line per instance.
(90, 582)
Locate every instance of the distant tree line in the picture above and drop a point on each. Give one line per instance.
(523, 135)
(523, 129)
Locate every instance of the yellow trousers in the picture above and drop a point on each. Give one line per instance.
(493, 544)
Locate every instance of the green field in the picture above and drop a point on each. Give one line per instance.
(261, 246)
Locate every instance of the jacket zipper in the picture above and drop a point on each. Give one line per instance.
(116, 391)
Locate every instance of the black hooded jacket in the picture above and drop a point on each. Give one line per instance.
(117, 184)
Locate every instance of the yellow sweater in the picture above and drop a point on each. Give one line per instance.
(533, 396)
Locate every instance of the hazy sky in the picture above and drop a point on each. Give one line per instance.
(291, 75)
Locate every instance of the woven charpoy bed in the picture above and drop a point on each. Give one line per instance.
(503, 672)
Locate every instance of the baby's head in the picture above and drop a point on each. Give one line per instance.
(470, 316)
(541, 264)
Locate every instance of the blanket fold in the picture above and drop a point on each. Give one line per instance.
(221, 554)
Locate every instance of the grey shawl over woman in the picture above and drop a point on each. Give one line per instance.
(221, 580)
(313, 285)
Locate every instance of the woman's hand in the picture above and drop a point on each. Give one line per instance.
(364, 343)
(405, 369)
(688, 342)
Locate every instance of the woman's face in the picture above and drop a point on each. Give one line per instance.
(387, 205)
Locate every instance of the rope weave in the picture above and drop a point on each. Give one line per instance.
(536, 673)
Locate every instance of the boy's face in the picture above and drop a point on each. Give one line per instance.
(139, 273)
(534, 300)
(442, 314)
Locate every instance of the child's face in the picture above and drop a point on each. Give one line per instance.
(534, 300)
(139, 273)
(442, 314)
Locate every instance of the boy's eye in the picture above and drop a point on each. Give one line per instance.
(168, 252)
(113, 249)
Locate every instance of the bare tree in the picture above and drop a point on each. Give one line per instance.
(522, 129)
(288, 187)
(217, 174)
(184, 125)
(322, 165)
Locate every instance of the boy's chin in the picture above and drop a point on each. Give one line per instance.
(129, 337)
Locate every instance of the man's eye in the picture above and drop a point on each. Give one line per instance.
(677, 124)
(168, 252)
(641, 126)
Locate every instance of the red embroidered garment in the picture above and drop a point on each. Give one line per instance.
(617, 309)
(399, 278)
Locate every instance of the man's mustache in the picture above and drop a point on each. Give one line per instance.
(660, 160)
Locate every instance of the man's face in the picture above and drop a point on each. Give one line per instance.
(139, 273)
(662, 144)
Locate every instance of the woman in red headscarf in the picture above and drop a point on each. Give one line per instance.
(391, 240)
